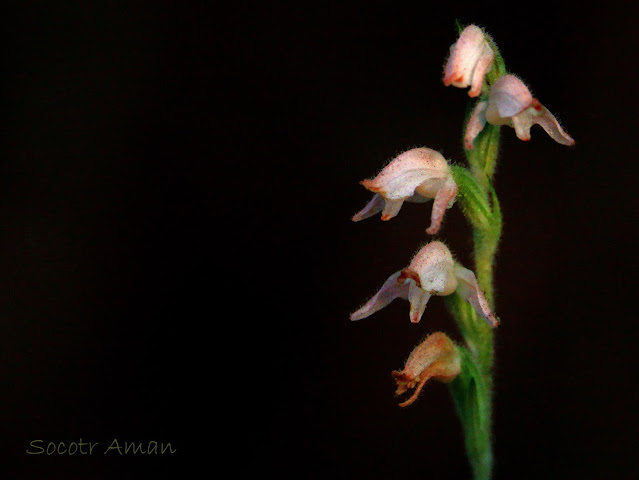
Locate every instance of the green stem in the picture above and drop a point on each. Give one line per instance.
(472, 390)
(472, 400)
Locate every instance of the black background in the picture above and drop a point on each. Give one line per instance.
(178, 261)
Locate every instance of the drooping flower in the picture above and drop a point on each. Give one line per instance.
(432, 271)
(470, 59)
(436, 357)
(511, 103)
(417, 175)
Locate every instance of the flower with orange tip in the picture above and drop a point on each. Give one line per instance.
(470, 59)
(511, 103)
(418, 175)
(432, 271)
(436, 357)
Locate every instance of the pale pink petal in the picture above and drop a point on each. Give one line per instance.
(373, 207)
(391, 290)
(548, 122)
(417, 198)
(468, 289)
(508, 97)
(476, 123)
(522, 123)
(483, 65)
(433, 266)
(430, 254)
(399, 179)
(418, 299)
(464, 55)
(444, 199)
(401, 185)
(391, 209)
(439, 279)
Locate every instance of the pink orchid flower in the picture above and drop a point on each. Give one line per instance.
(511, 103)
(417, 175)
(470, 59)
(432, 271)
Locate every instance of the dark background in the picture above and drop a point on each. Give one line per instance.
(178, 261)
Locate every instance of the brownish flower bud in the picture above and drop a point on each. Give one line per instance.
(436, 357)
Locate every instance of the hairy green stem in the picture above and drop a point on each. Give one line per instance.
(472, 398)
(472, 390)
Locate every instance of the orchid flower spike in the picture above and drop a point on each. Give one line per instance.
(417, 175)
(511, 103)
(436, 357)
(431, 272)
(470, 59)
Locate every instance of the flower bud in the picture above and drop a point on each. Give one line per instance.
(470, 59)
(436, 357)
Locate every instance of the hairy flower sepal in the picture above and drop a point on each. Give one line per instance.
(432, 271)
(418, 175)
(511, 103)
(436, 357)
(471, 57)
